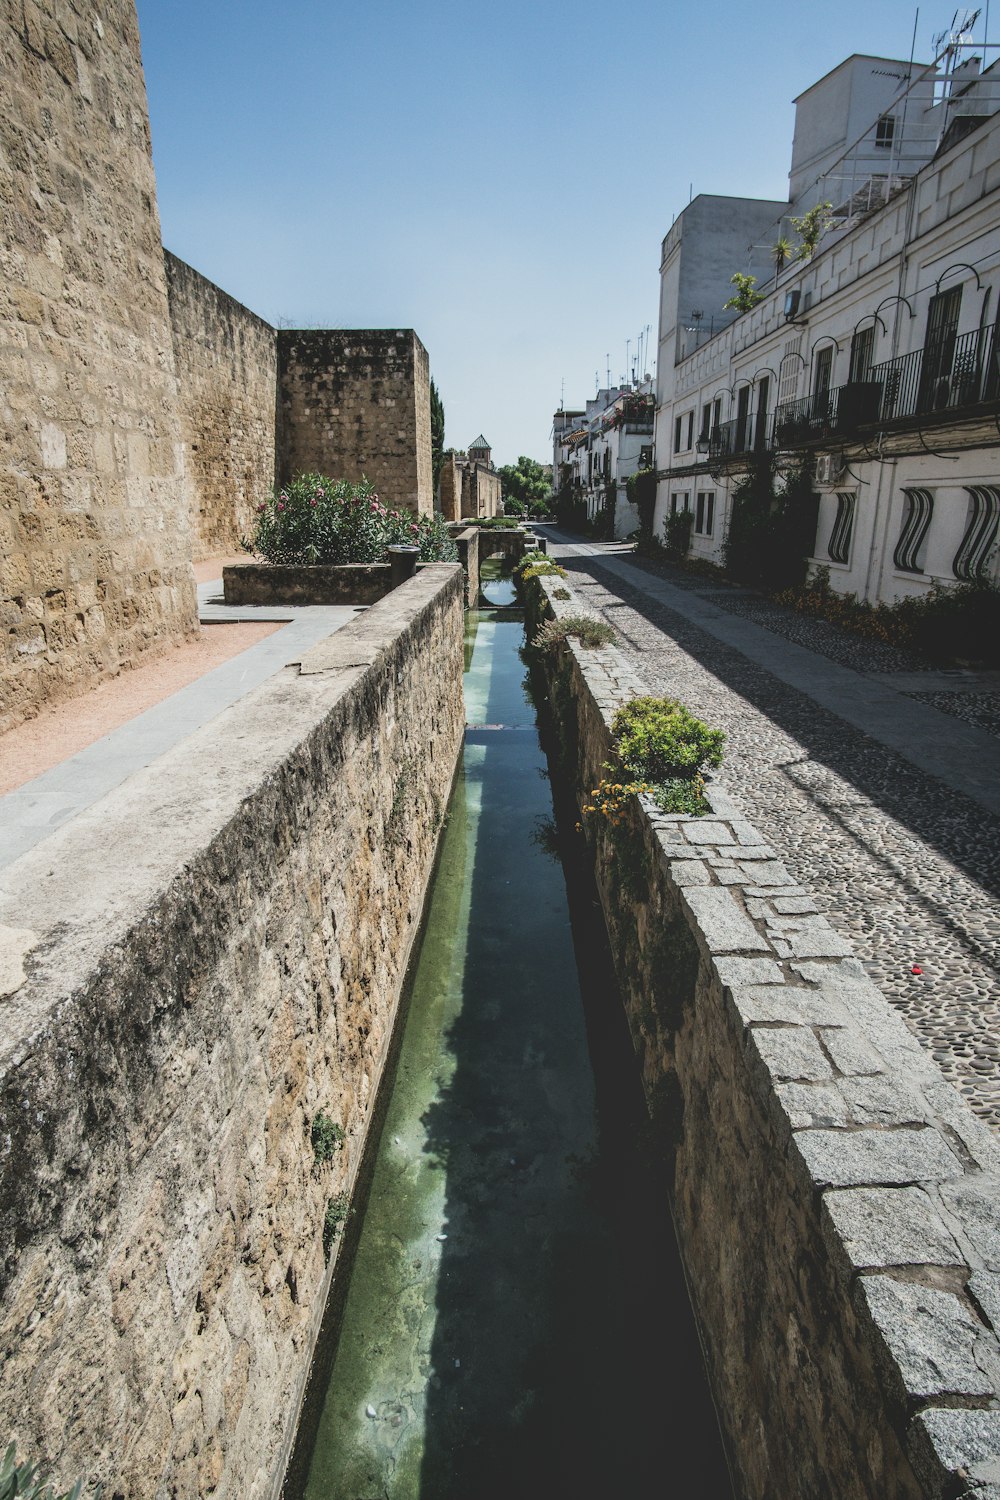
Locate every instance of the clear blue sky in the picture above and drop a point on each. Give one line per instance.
(497, 177)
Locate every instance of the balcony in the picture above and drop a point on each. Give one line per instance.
(737, 438)
(950, 376)
(953, 376)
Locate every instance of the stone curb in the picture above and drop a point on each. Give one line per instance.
(906, 1177)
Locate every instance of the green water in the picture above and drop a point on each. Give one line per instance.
(515, 1323)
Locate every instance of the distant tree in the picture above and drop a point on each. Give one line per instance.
(526, 482)
(437, 434)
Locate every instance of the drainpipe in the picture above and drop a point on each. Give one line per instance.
(879, 549)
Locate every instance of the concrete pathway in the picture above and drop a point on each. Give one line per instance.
(886, 806)
(33, 811)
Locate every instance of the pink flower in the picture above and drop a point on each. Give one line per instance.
(313, 503)
(280, 506)
(415, 529)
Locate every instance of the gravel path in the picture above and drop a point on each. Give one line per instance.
(906, 868)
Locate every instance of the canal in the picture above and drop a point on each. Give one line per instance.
(516, 1322)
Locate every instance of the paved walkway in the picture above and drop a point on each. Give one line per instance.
(33, 811)
(878, 780)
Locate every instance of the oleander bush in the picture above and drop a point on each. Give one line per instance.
(315, 520)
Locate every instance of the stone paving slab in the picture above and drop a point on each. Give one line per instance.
(904, 864)
(34, 811)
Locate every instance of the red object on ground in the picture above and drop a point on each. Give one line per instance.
(916, 969)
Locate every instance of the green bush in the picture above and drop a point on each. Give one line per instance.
(772, 528)
(27, 1481)
(588, 629)
(677, 533)
(961, 622)
(658, 740)
(336, 1213)
(313, 520)
(327, 1138)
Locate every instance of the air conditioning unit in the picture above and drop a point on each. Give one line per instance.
(829, 467)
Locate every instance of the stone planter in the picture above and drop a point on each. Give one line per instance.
(289, 583)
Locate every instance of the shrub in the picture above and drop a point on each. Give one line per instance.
(588, 629)
(658, 740)
(772, 530)
(336, 1213)
(28, 1481)
(677, 533)
(327, 1138)
(542, 569)
(947, 623)
(318, 520)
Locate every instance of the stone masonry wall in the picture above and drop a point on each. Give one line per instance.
(213, 957)
(227, 370)
(354, 403)
(95, 548)
(835, 1199)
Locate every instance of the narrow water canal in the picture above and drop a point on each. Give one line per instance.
(516, 1323)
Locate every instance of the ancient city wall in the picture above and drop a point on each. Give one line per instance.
(835, 1199)
(356, 403)
(214, 957)
(227, 368)
(95, 548)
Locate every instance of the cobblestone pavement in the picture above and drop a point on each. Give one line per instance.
(905, 867)
(982, 709)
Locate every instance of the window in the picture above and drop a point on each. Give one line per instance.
(939, 349)
(885, 131)
(823, 376)
(680, 502)
(704, 515)
(917, 512)
(677, 434)
(717, 413)
(862, 352)
(684, 432)
(839, 545)
(791, 364)
(706, 422)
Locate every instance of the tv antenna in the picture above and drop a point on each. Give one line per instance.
(959, 34)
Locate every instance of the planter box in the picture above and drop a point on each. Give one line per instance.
(289, 583)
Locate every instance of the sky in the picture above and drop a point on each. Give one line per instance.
(498, 178)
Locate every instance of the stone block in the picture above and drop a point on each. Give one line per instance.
(723, 925)
(707, 832)
(809, 1106)
(686, 872)
(857, 1158)
(766, 873)
(984, 1287)
(851, 1054)
(954, 1442)
(748, 971)
(789, 1005)
(882, 1227)
(790, 1053)
(975, 1202)
(932, 1345)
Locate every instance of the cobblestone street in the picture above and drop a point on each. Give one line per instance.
(904, 862)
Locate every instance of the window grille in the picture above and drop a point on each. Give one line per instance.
(839, 547)
(919, 508)
(980, 537)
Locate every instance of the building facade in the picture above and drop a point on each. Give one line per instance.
(597, 449)
(871, 353)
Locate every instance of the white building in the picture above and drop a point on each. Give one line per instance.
(597, 450)
(874, 356)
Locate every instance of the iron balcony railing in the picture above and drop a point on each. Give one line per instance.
(749, 434)
(953, 374)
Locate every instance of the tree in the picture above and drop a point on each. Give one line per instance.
(745, 295)
(526, 482)
(437, 434)
(811, 228)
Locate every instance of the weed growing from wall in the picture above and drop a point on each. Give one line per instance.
(327, 1138)
(336, 1213)
(589, 630)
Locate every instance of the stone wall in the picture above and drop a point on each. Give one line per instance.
(95, 548)
(213, 957)
(226, 363)
(356, 403)
(835, 1200)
